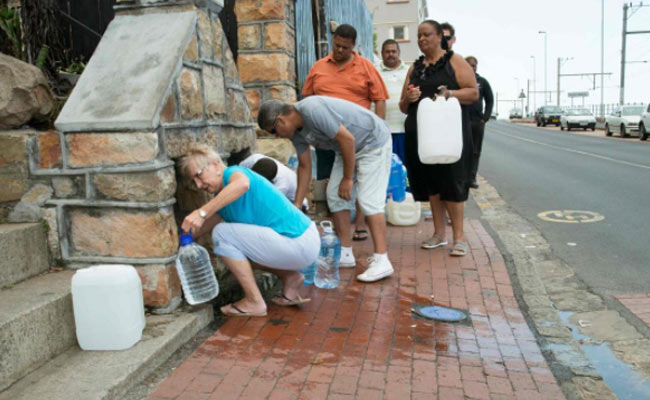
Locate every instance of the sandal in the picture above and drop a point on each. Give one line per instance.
(459, 249)
(239, 312)
(435, 241)
(360, 234)
(282, 300)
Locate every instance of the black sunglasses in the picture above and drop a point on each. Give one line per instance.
(448, 37)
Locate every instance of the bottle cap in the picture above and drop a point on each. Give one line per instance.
(186, 239)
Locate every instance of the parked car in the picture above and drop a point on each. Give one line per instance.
(624, 120)
(515, 113)
(644, 126)
(577, 118)
(548, 115)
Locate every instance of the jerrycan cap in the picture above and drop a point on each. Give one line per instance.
(327, 226)
(186, 238)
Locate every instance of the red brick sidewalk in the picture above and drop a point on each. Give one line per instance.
(361, 341)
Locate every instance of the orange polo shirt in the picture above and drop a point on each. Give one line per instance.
(358, 81)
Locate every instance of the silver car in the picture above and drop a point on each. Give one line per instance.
(624, 120)
(577, 118)
(644, 126)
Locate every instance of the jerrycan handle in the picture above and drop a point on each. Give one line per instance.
(327, 226)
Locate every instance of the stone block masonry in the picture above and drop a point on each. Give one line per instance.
(267, 56)
(13, 164)
(267, 49)
(161, 78)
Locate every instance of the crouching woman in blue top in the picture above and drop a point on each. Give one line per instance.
(253, 226)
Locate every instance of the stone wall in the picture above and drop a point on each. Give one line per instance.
(105, 181)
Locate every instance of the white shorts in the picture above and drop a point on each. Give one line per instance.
(371, 172)
(265, 246)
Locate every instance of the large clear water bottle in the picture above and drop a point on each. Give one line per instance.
(327, 264)
(308, 272)
(196, 273)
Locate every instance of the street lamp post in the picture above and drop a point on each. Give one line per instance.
(545, 67)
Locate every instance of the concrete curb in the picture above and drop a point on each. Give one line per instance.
(548, 291)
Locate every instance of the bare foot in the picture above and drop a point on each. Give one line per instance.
(291, 284)
(244, 307)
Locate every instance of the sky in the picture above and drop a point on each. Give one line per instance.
(503, 35)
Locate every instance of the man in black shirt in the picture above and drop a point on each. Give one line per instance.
(478, 117)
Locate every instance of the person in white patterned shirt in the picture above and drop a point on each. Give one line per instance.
(393, 71)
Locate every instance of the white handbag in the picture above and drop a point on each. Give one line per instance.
(440, 130)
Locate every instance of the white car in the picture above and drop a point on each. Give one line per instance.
(644, 126)
(577, 118)
(624, 120)
(515, 113)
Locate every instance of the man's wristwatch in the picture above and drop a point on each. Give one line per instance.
(202, 213)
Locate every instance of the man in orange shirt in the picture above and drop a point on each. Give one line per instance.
(346, 75)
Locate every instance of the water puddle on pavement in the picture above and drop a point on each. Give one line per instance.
(622, 378)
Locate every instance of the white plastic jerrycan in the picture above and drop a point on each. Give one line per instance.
(403, 213)
(108, 307)
(440, 131)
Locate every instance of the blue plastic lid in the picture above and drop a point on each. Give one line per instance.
(187, 239)
(440, 313)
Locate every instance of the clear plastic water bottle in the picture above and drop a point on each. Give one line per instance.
(195, 270)
(293, 162)
(308, 272)
(327, 264)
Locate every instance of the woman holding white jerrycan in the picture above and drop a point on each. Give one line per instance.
(441, 74)
(253, 226)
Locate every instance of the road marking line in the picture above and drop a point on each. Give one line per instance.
(584, 153)
(570, 216)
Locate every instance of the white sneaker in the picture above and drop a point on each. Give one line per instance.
(376, 270)
(347, 259)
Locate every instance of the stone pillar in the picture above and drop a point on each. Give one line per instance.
(161, 79)
(267, 60)
(267, 49)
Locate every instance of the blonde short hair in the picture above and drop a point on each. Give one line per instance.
(201, 154)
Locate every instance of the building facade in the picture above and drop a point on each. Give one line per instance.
(398, 19)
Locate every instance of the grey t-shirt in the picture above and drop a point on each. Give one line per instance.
(322, 116)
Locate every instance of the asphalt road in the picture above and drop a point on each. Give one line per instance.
(537, 170)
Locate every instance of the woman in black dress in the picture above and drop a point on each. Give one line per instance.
(439, 72)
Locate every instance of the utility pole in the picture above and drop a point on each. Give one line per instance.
(534, 82)
(559, 65)
(545, 67)
(621, 99)
(527, 97)
(602, 59)
(625, 33)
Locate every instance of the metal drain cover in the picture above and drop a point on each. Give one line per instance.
(440, 313)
